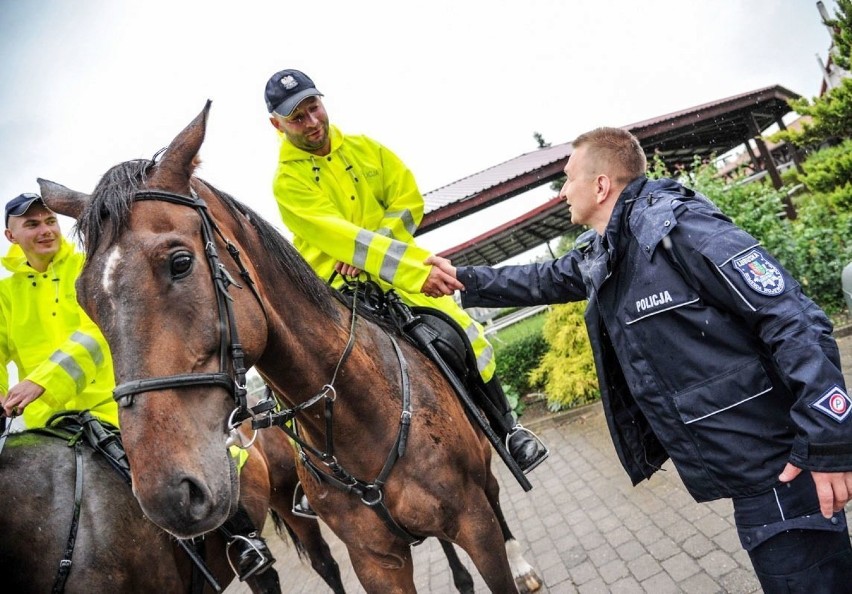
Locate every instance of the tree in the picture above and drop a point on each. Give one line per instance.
(831, 114)
(842, 35)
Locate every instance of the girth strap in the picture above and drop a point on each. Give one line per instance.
(65, 562)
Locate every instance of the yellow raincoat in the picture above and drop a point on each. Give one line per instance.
(360, 205)
(52, 341)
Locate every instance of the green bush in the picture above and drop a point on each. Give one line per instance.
(516, 359)
(567, 370)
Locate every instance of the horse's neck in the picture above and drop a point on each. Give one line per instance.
(307, 351)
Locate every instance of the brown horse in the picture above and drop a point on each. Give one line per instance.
(113, 547)
(153, 234)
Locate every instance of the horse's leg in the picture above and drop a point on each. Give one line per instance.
(305, 533)
(480, 537)
(307, 538)
(383, 572)
(461, 576)
(526, 578)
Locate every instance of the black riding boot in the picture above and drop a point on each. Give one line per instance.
(251, 556)
(523, 445)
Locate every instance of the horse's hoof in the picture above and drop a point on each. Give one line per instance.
(529, 582)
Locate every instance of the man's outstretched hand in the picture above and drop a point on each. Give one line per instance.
(442, 278)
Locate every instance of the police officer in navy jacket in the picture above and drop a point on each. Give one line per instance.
(707, 352)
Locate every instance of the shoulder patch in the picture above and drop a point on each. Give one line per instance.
(759, 274)
(835, 403)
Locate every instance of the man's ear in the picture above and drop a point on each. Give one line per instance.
(9, 236)
(603, 185)
(274, 121)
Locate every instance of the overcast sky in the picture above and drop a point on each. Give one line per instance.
(451, 86)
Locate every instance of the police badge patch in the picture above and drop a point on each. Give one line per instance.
(760, 274)
(835, 403)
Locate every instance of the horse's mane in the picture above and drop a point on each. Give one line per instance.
(284, 256)
(108, 213)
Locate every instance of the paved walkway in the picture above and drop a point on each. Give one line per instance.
(585, 529)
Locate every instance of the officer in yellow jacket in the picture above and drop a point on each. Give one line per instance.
(353, 206)
(63, 360)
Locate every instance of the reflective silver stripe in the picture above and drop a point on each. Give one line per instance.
(659, 311)
(485, 358)
(736, 290)
(487, 354)
(390, 263)
(715, 412)
(91, 345)
(362, 246)
(384, 231)
(472, 332)
(67, 363)
(406, 217)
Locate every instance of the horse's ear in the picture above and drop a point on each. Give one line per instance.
(60, 199)
(176, 165)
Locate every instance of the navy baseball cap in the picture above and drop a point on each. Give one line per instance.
(286, 89)
(20, 205)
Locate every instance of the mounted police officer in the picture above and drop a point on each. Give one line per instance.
(62, 358)
(708, 352)
(353, 207)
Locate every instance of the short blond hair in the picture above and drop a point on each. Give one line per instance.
(615, 151)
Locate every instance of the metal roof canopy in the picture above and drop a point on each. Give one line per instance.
(702, 131)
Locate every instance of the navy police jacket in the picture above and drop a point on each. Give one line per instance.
(706, 350)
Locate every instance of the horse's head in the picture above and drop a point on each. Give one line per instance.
(156, 269)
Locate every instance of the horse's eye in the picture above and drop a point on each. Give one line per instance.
(180, 264)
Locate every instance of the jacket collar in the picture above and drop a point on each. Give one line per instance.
(290, 152)
(15, 261)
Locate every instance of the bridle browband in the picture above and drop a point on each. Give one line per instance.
(229, 341)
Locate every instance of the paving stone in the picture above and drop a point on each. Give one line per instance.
(681, 566)
(644, 567)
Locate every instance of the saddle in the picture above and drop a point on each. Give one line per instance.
(99, 435)
(440, 330)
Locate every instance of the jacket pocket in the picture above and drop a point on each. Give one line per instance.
(736, 426)
(723, 393)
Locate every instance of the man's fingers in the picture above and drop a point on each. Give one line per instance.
(790, 472)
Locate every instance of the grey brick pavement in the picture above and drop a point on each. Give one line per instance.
(585, 529)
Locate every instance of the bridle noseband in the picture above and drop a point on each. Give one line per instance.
(229, 341)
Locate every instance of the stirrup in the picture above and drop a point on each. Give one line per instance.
(253, 559)
(301, 506)
(543, 450)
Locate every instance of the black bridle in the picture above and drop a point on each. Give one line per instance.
(229, 340)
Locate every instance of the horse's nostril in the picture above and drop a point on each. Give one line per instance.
(195, 500)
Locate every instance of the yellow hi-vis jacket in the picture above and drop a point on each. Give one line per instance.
(360, 205)
(52, 341)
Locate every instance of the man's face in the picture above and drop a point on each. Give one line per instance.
(306, 127)
(37, 232)
(579, 188)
